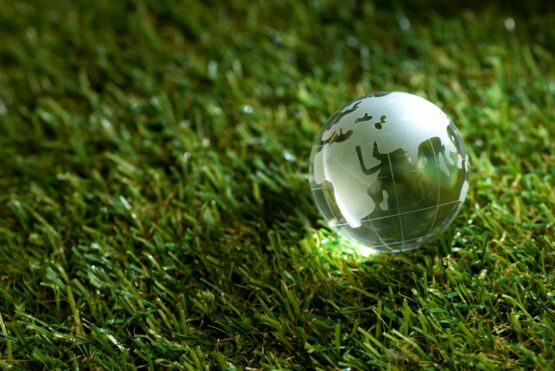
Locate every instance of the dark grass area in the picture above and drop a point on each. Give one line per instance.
(154, 203)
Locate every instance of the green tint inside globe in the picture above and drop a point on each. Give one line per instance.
(389, 171)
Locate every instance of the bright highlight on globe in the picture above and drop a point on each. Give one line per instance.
(389, 172)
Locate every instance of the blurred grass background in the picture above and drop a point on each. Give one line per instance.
(154, 204)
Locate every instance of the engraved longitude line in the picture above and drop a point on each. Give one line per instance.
(384, 244)
(438, 187)
(396, 200)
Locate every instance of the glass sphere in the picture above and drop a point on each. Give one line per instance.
(389, 171)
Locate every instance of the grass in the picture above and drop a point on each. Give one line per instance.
(154, 203)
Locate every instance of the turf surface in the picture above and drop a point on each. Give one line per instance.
(154, 204)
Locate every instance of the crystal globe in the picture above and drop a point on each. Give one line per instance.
(389, 171)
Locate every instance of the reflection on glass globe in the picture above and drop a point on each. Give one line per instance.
(389, 171)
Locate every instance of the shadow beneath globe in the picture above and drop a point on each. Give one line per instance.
(367, 280)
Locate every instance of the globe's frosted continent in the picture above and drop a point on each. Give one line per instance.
(389, 171)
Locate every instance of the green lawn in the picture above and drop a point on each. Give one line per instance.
(155, 210)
